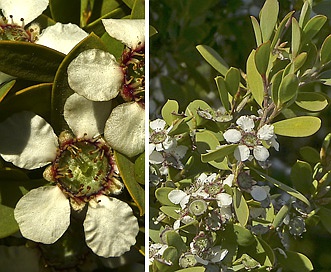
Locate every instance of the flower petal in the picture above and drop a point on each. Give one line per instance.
(258, 193)
(61, 37)
(96, 75)
(232, 135)
(246, 123)
(241, 153)
(260, 153)
(224, 199)
(130, 32)
(266, 132)
(125, 129)
(110, 227)
(156, 157)
(28, 10)
(85, 116)
(27, 140)
(229, 180)
(157, 125)
(178, 197)
(43, 214)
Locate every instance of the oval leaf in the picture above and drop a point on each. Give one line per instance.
(232, 80)
(325, 54)
(222, 91)
(268, 18)
(168, 110)
(288, 88)
(296, 38)
(257, 31)
(262, 56)
(254, 79)
(240, 207)
(311, 101)
(302, 177)
(29, 61)
(312, 27)
(301, 126)
(219, 154)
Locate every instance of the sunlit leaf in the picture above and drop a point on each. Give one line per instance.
(213, 58)
(280, 216)
(5, 88)
(243, 236)
(232, 80)
(313, 26)
(301, 126)
(288, 88)
(138, 10)
(257, 30)
(170, 108)
(304, 14)
(262, 56)
(254, 79)
(268, 18)
(161, 195)
(311, 101)
(222, 91)
(219, 154)
(281, 28)
(275, 83)
(325, 54)
(296, 38)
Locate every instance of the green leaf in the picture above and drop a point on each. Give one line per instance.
(243, 236)
(311, 101)
(35, 98)
(304, 14)
(268, 18)
(170, 211)
(213, 58)
(257, 31)
(192, 269)
(206, 140)
(284, 187)
(5, 88)
(294, 262)
(192, 111)
(29, 61)
(170, 108)
(298, 62)
(161, 195)
(139, 169)
(310, 154)
(325, 53)
(302, 177)
(254, 79)
(325, 217)
(312, 27)
(296, 38)
(301, 126)
(126, 168)
(65, 11)
(262, 56)
(61, 90)
(232, 80)
(129, 3)
(280, 216)
(275, 83)
(171, 254)
(219, 154)
(138, 10)
(223, 93)
(288, 88)
(240, 207)
(174, 239)
(280, 29)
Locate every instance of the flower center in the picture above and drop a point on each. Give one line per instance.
(249, 139)
(13, 32)
(84, 168)
(198, 207)
(133, 65)
(213, 188)
(158, 137)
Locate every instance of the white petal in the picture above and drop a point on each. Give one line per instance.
(179, 151)
(266, 132)
(110, 227)
(258, 193)
(246, 123)
(157, 124)
(125, 129)
(43, 214)
(28, 10)
(224, 199)
(176, 196)
(130, 32)
(96, 75)
(27, 140)
(229, 180)
(156, 157)
(219, 254)
(241, 153)
(260, 153)
(274, 143)
(85, 116)
(232, 135)
(61, 37)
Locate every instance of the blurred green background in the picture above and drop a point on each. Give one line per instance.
(177, 71)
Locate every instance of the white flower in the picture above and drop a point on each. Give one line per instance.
(250, 140)
(159, 139)
(179, 197)
(96, 75)
(216, 255)
(156, 251)
(76, 167)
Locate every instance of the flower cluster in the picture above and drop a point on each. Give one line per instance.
(250, 140)
(164, 149)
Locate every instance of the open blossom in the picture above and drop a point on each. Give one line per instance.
(250, 140)
(82, 171)
(98, 76)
